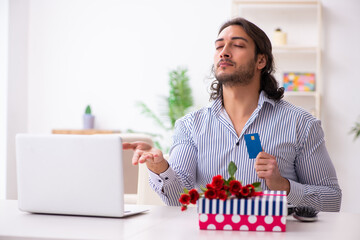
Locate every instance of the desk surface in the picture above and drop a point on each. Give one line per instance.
(161, 223)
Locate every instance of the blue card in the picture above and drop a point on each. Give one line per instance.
(253, 144)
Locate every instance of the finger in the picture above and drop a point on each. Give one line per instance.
(158, 157)
(136, 157)
(261, 168)
(261, 161)
(265, 158)
(264, 155)
(262, 174)
(146, 157)
(142, 145)
(129, 146)
(268, 165)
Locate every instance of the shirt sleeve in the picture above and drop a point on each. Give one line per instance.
(182, 166)
(317, 184)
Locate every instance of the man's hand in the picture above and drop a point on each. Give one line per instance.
(266, 168)
(145, 153)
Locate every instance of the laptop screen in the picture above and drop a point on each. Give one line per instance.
(70, 174)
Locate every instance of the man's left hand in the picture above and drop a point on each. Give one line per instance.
(266, 168)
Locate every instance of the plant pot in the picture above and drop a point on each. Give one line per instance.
(89, 121)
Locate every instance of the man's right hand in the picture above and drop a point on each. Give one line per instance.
(145, 153)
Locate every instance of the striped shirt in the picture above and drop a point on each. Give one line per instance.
(205, 141)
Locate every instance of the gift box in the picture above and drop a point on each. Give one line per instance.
(261, 213)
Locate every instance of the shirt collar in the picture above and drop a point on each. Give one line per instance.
(264, 98)
(216, 106)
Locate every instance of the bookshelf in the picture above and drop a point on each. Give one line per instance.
(301, 21)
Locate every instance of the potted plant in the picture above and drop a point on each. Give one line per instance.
(178, 104)
(88, 118)
(356, 130)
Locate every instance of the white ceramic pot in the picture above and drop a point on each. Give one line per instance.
(89, 121)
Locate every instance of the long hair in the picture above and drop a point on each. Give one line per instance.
(263, 46)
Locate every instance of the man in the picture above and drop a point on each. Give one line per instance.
(246, 100)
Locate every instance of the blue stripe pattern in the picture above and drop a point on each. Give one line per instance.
(205, 141)
(246, 206)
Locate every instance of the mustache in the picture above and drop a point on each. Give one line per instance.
(225, 60)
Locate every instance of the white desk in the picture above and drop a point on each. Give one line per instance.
(161, 223)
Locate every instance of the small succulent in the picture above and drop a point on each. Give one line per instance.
(88, 110)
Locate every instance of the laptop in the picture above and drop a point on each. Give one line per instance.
(72, 175)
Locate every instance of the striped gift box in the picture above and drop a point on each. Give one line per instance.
(262, 213)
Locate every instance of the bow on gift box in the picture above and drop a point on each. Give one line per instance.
(222, 189)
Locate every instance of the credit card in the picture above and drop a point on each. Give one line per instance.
(253, 144)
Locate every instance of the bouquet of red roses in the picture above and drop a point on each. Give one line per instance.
(222, 189)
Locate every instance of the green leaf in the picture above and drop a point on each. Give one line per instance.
(88, 110)
(180, 98)
(149, 113)
(157, 145)
(232, 169)
(186, 191)
(257, 186)
(227, 182)
(203, 189)
(174, 106)
(356, 130)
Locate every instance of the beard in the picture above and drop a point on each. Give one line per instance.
(242, 76)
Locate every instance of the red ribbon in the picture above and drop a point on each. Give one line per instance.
(267, 194)
(284, 195)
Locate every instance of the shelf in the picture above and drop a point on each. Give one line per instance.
(301, 21)
(83, 131)
(299, 94)
(280, 2)
(292, 48)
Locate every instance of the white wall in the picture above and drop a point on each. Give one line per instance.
(341, 98)
(111, 54)
(4, 28)
(17, 114)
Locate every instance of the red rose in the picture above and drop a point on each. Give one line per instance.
(209, 186)
(251, 189)
(184, 199)
(244, 191)
(210, 194)
(194, 196)
(235, 187)
(221, 188)
(222, 194)
(217, 182)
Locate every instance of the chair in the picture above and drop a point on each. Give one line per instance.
(146, 196)
(137, 189)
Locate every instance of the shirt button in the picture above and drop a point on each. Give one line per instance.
(237, 144)
(159, 180)
(166, 178)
